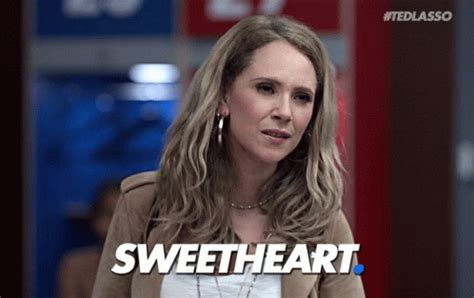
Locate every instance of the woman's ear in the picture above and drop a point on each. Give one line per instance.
(223, 108)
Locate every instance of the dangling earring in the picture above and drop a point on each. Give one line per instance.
(220, 127)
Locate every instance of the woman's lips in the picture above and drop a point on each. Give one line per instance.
(276, 135)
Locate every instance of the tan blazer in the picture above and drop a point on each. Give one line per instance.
(130, 221)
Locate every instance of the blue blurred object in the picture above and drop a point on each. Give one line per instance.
(103, 17)
(87, 131)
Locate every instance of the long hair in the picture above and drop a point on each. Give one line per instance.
(196, 174)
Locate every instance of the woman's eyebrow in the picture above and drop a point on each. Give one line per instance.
(278, 83)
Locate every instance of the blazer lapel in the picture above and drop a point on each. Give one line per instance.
(157, 279)
(296, 284)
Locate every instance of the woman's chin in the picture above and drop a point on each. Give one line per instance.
(272, 158)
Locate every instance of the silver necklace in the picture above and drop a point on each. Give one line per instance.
(219, 289)
(245, 207)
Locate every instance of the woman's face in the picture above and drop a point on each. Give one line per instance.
(270, 104)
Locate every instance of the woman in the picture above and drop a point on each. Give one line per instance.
(250, 158)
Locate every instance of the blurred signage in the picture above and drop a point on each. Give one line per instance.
(104, 17)
(94, 8)
(214, 17)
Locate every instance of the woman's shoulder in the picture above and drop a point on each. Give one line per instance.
(339, 229)
(139, 191)
(138, 180)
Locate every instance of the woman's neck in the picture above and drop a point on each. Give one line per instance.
(249, 178)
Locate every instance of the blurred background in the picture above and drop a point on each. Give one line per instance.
(98, 82)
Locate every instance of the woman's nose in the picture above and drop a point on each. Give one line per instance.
(282, 110)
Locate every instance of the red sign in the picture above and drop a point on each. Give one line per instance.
(209, 18)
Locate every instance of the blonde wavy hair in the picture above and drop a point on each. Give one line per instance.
(196, 174)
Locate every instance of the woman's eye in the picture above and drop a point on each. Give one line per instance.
(303, 97)
(265, 88)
